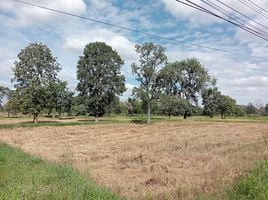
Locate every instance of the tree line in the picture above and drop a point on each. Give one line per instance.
(165, 88)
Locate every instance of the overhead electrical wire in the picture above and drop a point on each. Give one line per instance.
(256, 5)
(254, 8)
(235, 18)
(203, 9)
(235, 10)
(138, 31)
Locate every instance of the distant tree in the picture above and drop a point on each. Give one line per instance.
(99, 76)
(240, 111)
(116, 107)
(266, 109)
(169, 105)
(34, 71)
(193, 78)
(186, 109)
(59, 97)
(210, 100)
(78, 106)
(186, 79)
(251, 109)
(152, 57)
(4, 91)
(227, 106)
(12, 105)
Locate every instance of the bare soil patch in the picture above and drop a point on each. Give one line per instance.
(175, 160)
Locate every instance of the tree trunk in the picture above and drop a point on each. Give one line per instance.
(35, 115)
(169, 116)
(185, 116)
(8, 114)
(148, 113)
(96, 117)
(221, 115)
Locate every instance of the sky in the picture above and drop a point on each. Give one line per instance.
(240, 76)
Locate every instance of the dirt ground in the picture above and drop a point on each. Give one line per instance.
(175, 160)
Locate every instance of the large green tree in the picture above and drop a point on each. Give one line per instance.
(35, 70)
(152, 58)
(99, 76)
(186, 79)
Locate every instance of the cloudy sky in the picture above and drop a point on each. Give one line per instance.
(242, 76)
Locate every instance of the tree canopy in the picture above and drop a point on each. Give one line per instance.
(34, 71)
(152, 57)
(99, 76)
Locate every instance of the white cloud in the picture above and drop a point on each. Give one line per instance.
(23, 15)
(128, 92)
(120, 43)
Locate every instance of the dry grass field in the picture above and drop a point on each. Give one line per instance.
(172, 160)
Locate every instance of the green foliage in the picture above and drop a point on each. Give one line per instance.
(4, 91)
(251, 109)
(116, 107)
(253, 187)
(266, 109)
(25, 177)
(152, 57)
(99, 76)
(34, 72)
(185, 78)
(240, 111)
(227, 106)
(133, 106)
(211, 99)
(169, 105)
(13, 104)
(59, 98)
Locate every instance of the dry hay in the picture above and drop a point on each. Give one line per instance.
(177, 160)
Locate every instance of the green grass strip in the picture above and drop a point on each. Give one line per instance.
(26, 177)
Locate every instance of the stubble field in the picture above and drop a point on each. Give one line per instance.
(176, 160)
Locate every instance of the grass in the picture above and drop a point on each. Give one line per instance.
(138, 119)
(253, 187)
(25, 177)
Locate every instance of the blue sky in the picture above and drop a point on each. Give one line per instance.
(242, 77)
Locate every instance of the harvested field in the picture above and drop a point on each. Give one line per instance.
(177, 160)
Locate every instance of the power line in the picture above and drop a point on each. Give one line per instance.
(235, 18)
(203, 9)
(256, 5)
(135, 30)
(252, 7)
(235, 10)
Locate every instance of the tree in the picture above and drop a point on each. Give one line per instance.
(13, 103)
(240, 111)
(251, 109)
(34, 71)
(169, 105)
(266, 109)
(227, 106)
(152, 57)
(4, 91)
(59, 97)
(99, 76)
(185, 79)
(210, 100)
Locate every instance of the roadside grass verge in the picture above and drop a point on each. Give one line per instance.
(26, 177)
(252, 187)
